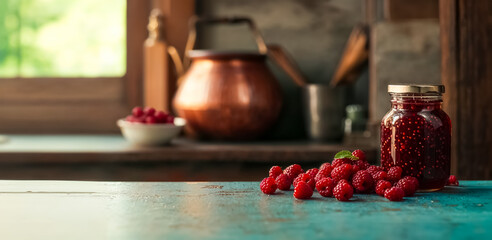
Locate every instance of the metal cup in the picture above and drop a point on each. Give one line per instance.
(323, 112)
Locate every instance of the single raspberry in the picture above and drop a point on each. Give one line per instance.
(407, 185)
(161, 116)
(137, 112)
(413, 180)
(363, 182)
(150, 120)
(312, 172)
(268, 185)
(293, 171)
(379, 175)
(170, 119)
(303, 191)
(343, 191)
(342, 172)
(326, 167)
(355, 168)
(345, 181)
(301, 177)
(283, 182)
(394, 174)
(325, 187)
(304, 177)
(340, 161)
(359, 154)
(363, 165)
(373, 168)
(322, 173)
(275, 171)
(139, 119)
(394, 194)
(453, 181)
(130, 118)
(381, 186)
(149, 111)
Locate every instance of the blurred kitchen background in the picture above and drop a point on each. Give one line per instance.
(404, 46)
(359, 45)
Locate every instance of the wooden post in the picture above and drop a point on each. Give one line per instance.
(466, 42)
(168, 27)
(176, 15)
(159, 80)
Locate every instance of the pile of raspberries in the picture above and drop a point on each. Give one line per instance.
(341, 178)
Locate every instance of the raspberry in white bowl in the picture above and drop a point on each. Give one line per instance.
(149, 115)
(148, 127)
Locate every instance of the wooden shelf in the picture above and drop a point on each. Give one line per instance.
(111, 158)
(113, 148)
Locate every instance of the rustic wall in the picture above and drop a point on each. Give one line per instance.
(314, 32)
(402, 52)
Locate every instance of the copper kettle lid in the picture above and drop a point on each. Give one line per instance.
(226, 55)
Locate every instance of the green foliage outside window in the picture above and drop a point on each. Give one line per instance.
(62, 38)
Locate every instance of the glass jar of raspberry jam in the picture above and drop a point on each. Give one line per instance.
(416, 135)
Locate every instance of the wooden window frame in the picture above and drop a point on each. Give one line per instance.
(78, 105)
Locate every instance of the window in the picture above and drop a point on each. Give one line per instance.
(69, 66)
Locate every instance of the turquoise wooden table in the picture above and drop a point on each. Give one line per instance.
(233, 210)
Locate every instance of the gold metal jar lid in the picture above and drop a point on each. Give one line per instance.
(415, 88)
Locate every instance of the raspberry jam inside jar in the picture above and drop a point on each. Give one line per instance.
(416, 135)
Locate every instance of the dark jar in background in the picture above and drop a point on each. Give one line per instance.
(416, 135)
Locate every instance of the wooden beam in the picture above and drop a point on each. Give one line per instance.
(449, 71)
(136, 34)
(466, 41)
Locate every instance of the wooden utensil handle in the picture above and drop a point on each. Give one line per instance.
(287, 63)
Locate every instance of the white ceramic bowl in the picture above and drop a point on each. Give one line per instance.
(150, 134)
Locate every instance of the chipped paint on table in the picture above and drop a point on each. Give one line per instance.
(233, 210)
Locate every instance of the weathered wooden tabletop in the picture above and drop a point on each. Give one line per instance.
(233, 210)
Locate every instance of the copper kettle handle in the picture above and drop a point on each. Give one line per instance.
(190, 44)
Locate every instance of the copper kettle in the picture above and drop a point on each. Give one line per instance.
(227, 95)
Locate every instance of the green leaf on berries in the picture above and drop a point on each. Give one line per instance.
(346, 154)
